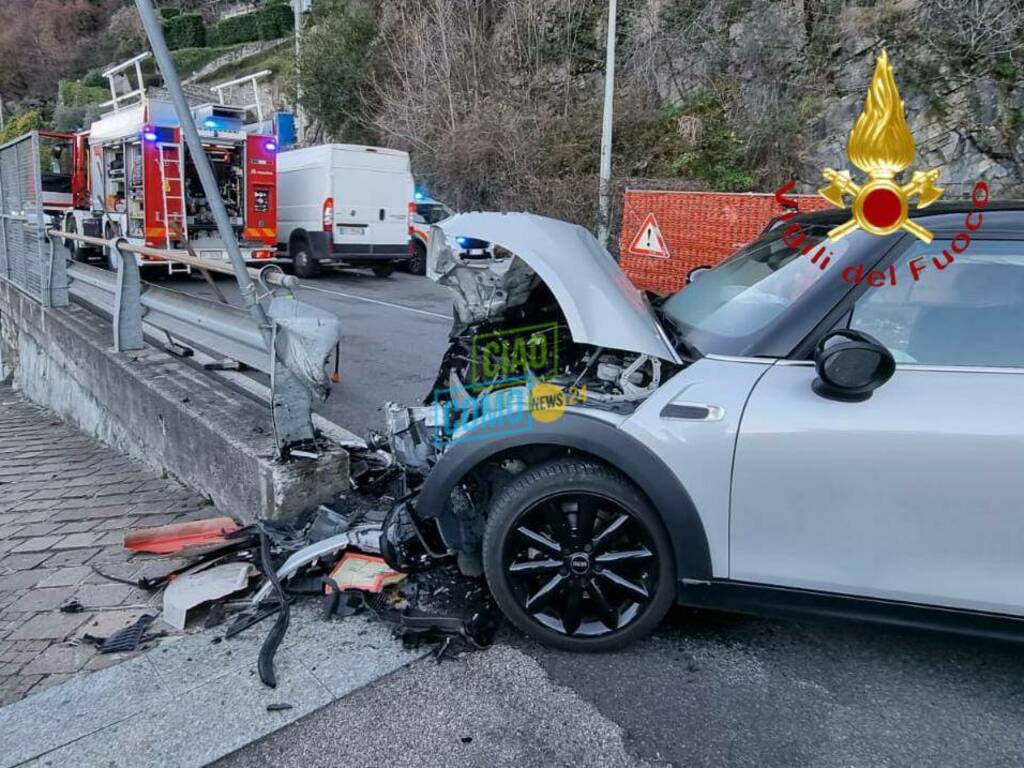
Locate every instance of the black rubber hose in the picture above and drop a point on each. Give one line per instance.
(277, 632)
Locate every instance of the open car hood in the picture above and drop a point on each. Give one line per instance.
(601, 306)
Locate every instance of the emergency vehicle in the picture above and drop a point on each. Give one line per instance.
(133, 178)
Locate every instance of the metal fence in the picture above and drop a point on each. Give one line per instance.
(26, 256)
(301, 338)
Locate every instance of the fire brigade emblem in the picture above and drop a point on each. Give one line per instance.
(881, 145)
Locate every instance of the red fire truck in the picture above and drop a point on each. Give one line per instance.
(132, 177)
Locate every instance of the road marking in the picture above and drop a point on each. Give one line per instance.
(378, 301)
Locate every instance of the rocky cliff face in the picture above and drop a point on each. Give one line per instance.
(792, 78)
(500, 100)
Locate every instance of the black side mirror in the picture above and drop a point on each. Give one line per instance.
(851, 365)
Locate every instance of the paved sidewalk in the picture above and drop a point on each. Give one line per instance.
(65, 502)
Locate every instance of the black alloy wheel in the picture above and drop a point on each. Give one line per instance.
(581, 565)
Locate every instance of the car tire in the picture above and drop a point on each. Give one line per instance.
(417, 263)
(573, 598)
(303, 263)
(384, 270)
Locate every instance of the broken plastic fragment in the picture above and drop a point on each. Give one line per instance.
(363, 572)
(182, 538)
(190, 590)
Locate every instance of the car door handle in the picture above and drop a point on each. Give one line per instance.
(693, 412)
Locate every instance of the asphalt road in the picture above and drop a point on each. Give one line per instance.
(394, 331)
(706, 690)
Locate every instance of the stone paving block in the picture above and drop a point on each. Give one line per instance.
(67, 577)
(59, 659)
(57, 716)
(39, 516)
(22, 562)
(115, 554)
(66, 492)
(40, 599)
(102, 595)
(129, 570)
(33, 505)
(106, 623)
(50, 626)
(35, 529)
(36, 544)
(76, 526)
(238, 703)
(68, 557)
(76, 541)
(22, 580)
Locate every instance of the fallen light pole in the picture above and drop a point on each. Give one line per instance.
(295, 334)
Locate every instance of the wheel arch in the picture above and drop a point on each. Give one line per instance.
(583, 436)
(318, 242)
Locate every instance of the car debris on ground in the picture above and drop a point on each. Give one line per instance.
(373, 552)
(241, 575)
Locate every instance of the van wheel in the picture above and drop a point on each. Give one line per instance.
(304, 265)
(576, 556)
(417, 265)
(384, 270)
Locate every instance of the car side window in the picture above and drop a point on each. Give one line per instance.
(971, 313)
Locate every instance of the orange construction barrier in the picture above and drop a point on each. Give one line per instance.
(667, 234)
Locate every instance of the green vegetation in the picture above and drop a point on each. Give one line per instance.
(280, 60)
(23, 123)
(75, 93)
(185, 31)
(274, 20)
(189, 60)
(336, 66)
(718, 157)
(1005, 69)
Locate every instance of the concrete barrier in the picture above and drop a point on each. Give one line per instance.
(154, 406)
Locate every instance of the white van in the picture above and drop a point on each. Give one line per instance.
(343, 204)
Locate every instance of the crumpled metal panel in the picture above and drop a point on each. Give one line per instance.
(601, 306)
(482, 288)
(304, 340)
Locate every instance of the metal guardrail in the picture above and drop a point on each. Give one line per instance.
(26, 258)
(301, 336)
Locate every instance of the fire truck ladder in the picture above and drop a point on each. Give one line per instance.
(175, 222)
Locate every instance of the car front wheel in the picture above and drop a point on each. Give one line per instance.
(577, 558)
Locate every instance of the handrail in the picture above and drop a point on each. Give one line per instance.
(274, 278)
(291, 348)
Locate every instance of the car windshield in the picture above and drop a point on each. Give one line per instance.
(433, 212)
(743, 296)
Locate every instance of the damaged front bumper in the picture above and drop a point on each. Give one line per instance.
(545, 324)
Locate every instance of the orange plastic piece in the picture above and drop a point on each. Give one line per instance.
(180, 537)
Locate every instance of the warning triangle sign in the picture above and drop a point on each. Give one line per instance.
(648, 241)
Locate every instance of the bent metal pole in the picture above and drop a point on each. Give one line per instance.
(202, 164)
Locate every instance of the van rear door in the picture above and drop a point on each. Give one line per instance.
(372, 191)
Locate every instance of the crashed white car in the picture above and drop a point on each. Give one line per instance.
(599, 457)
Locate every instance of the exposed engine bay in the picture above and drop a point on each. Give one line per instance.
(513, 338)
